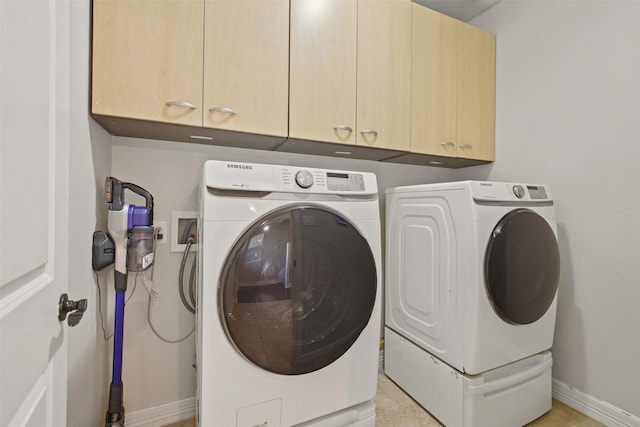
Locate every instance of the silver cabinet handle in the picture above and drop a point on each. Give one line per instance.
(343, 127)
(181, 104)
(447, 144)
(222, 110)
(369, 132)
(465, 146)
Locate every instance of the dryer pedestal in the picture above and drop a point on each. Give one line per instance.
(511, 395)
(362, 415)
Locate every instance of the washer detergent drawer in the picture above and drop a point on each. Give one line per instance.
(508, 396)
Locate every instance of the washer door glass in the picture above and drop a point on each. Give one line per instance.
(297, 289)
(522, 267)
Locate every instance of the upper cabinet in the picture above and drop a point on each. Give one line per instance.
(322, 91)
(246, 65)
(147, 60)
(453, 87)
(476, 93)
(384, 74)
(371, 79)
(216, 63)
(350, 72)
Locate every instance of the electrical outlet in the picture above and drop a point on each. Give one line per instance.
(162, 231)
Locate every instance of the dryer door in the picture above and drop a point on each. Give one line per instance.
(522, 267)
(297, 289)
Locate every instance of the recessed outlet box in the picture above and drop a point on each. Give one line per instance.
(162, 232)
(184, 225)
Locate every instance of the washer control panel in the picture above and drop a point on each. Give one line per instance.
(289, 179)
(334, 181)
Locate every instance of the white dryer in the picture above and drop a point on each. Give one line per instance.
(288, 319)
(471, 285)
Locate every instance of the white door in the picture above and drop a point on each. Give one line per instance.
(34, 198)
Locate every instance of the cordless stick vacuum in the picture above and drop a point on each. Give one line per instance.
(131, 228)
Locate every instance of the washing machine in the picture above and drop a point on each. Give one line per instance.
(471, 292)
(288, 318)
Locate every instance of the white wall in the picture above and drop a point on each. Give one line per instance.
(155, 372)
(90, 161)
(568, 114)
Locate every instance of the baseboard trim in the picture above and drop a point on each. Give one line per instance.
(597, 409)
(162, 415)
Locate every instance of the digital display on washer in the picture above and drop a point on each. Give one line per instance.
(337, 175)
(537, 192)
(345, 181)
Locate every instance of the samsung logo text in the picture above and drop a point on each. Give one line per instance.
(238, 166)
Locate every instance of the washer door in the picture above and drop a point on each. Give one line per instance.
(522, 267)
(297, 289)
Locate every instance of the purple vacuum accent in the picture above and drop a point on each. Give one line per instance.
(138, 215)
(117, 341)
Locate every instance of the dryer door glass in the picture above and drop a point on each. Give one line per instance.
(522, 267)
(297, 289)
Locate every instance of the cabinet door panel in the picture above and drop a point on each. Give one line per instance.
(476, 93)
(434, 75)
(323, 70)
(246, 63)
(145, 54)
(384, 73)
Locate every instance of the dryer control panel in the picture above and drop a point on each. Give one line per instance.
(289, 179)
(506, 192)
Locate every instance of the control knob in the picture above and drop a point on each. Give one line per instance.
(518, 190)
(304, 178)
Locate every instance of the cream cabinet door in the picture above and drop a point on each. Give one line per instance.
(453, 87)
(476, 93)
(322, 88)
(246, 66)
(434, 83)
(384, 74)
(147, 60)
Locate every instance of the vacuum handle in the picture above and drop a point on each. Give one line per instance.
(114, 194)
(144, 193)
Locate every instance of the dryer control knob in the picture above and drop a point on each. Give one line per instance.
(518, 190)
(304, 178)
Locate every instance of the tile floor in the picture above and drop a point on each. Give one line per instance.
(394, 408)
